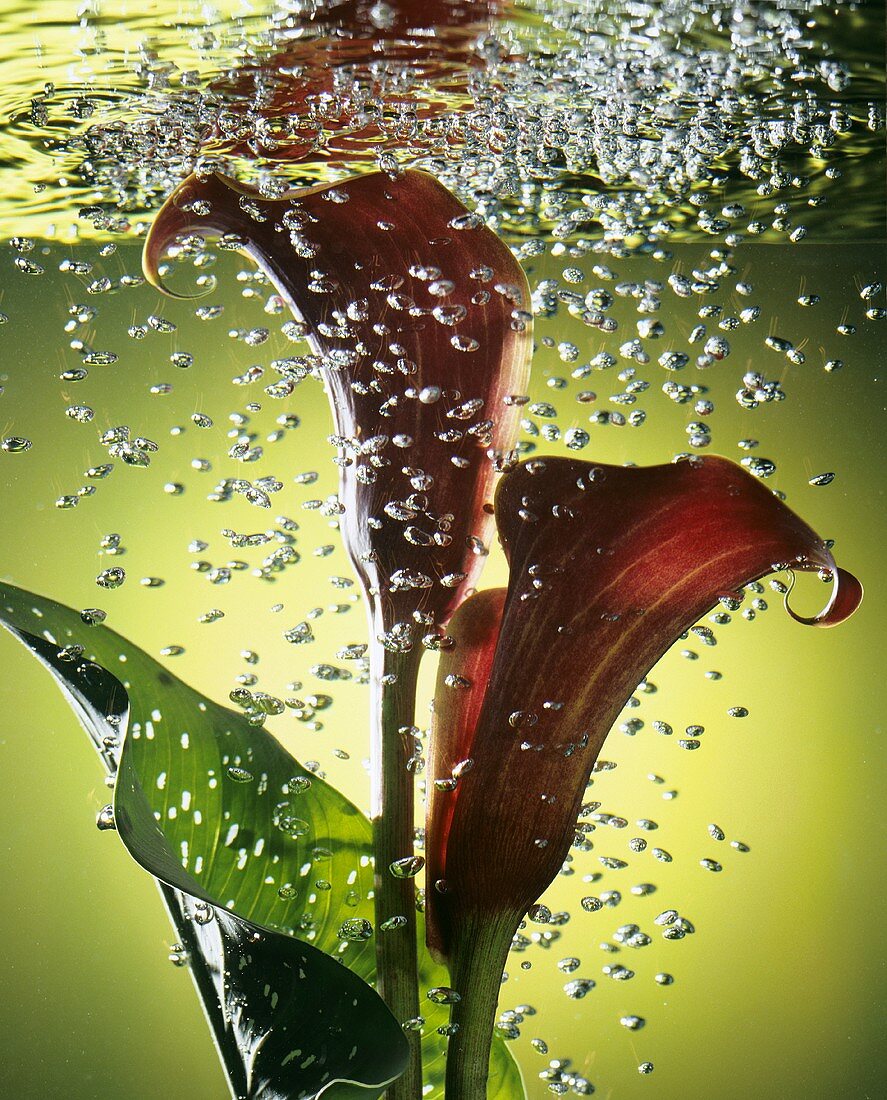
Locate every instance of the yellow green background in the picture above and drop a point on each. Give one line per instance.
(779, 993)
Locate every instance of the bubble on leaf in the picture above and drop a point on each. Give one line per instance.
(355, 930)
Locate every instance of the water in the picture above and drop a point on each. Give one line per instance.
(696, 192)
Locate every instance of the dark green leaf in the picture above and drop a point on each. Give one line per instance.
(240, 876)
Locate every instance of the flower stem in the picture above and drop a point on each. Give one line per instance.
(478, 953)
(393, 793)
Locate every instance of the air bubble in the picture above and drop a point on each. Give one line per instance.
(464, 343)
(111, 578)
(356, 930)
(443, 995)
(407, 867)
(15, 444)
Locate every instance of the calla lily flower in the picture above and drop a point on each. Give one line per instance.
(608, 567)
(417, 315)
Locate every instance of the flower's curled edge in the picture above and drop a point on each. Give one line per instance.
(608, 567)
(418, 319)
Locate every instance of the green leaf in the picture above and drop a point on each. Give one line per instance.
(505, 1080)
(156, 771)
(240, 835)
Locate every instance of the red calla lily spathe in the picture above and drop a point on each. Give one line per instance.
(418, 314)
(608, 567)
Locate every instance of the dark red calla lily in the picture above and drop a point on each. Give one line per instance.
(418, 314)
(354, 79)
(608, 567)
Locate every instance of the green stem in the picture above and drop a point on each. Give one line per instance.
(479, 951)
(393, 797)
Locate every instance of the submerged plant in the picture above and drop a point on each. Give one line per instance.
(230, 825)
(323, 970)
(608, 566)
(417, 317)
(417, 320)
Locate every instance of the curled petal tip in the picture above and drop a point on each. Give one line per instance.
(173, 219)
(149, 269)
(155, 245)
(845, 598)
